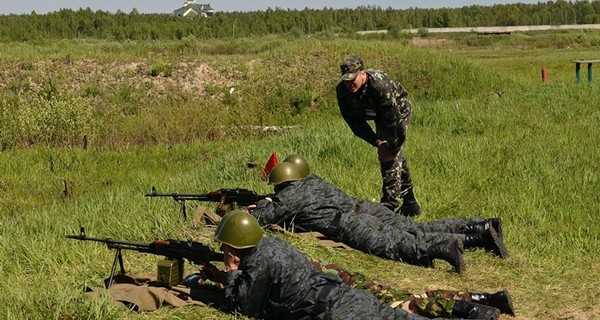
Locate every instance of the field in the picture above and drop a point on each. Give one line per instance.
(88, 127)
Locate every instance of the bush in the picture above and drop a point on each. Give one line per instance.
(51, 121)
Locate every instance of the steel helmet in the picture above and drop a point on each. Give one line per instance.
(223, 218)
(300, 162)
(284, 172)
(239, 229)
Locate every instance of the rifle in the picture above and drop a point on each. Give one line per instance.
(170, 270)
(227, 199)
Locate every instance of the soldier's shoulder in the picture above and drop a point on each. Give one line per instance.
(271, 242)
(380, 81)
(341, 90)
(377, 75)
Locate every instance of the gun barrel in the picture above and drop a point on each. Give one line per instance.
(194, 252)
(111, 243)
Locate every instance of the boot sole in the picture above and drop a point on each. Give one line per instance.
(460, 261)
(506, 306)
(499, 247)
(497, 225)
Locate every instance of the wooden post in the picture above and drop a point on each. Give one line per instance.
(544, 75)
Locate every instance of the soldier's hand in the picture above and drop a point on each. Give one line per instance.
(212, 273)
(232, 260)
(383, 152)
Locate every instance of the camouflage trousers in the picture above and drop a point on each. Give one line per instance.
(444, 226)
(394, 169)
(396, 181)
(431, 304)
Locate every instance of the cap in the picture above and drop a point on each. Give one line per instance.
(350, 68)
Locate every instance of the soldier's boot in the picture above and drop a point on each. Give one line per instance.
(452, 252)
(471, 310)
(500, 300)
(410, 207)
(497, 225)
(489, 241)
(482, 227)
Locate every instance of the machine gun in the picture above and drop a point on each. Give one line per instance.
(227, 199)
(171, 269)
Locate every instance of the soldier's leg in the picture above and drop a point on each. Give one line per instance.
(352, 304)
(500, 300)
(450, 225)
(475, 232)
(489, 241)
(445, 246)
(431, 306)
(478, 232)
(391, 174)
(369, 234)
(397, 186)
(410, 207)
(449, 294)
(449, 303)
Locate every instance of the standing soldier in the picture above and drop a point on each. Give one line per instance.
(371, 95)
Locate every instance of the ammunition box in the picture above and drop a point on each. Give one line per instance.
(170, 272)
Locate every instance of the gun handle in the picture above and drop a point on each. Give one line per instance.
(183, 209)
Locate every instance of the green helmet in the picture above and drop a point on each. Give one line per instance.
(300, 162)
(239, 229)
(284, 172)
(223, 218)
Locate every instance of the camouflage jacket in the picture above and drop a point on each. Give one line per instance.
(381, 99)
(310, 204)
(276, 281)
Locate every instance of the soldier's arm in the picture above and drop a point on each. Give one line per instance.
(355, 119)
(248, 291)
(271, 211)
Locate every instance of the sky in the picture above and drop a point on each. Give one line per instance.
(167, 6)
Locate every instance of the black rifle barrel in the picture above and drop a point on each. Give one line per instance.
(194, 252)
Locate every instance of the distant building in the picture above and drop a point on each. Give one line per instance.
(191, 9)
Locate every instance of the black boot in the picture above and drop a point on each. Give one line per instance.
(500, 300)
(483, 226)
(471, 310)
(410, 207)
(452, 252)
(489, 241)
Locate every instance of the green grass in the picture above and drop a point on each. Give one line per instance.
(530, 157)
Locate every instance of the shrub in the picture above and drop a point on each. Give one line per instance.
(46, 121)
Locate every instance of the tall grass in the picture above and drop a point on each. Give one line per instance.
(530, 157)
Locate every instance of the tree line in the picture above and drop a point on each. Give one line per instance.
(85, 23)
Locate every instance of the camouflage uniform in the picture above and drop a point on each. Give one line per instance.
(347, 203)
(313, 204)
(449, 225)
(276, 281)
(386, 102)
(431, 304)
